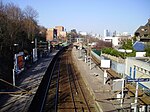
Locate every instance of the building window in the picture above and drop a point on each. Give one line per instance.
(145, 30)
(141, 69)
(145, 35)
(145, 71)
(142, 29)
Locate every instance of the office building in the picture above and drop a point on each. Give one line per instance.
(106, 33)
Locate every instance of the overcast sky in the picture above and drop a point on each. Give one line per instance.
(90, 15)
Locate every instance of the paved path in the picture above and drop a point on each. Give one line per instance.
(29, 80)
(94, 81)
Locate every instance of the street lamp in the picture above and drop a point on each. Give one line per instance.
(35, 42)
(34, 50)
(14, 61)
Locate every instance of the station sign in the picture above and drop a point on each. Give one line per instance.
(139, 80)
(35, 58)
(105, 63)
(19, 62)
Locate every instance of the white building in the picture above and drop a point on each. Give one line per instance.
(83, 33)
(117, 40)
(79, 40)
(108, 39)
(123, 34)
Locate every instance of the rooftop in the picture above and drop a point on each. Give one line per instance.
(147, 60)
(138, 46)
(141, 59)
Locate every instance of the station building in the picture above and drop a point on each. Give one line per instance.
(138, 67)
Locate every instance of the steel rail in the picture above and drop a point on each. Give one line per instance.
(57, 88)
(71, 89)
(47, 88)
(81, 91)
(73, 79)
(39, 100)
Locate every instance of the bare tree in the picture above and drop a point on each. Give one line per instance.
(16, 26)
(13, 22)
(1, 6)
(30, 21)
(30, 13)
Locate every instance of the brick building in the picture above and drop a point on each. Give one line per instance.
(51, 34)
(61, 33)
(59, 29)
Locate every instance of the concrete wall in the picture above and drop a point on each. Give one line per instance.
(118, 65)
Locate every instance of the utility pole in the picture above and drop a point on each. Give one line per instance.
(90, 63)
(122, 94)
(90, 58)
(15, 62)
(136, 97)
(105, 76)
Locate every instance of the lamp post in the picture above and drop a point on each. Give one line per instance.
(34, 50)
(136, 97)
(90, 57)
(14, 61)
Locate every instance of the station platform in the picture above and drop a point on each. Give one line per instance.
(19, 98)
(94, 79)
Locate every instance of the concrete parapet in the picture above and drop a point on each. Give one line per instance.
(114, 58)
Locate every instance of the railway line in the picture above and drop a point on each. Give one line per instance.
(65, 90)
(61, 89)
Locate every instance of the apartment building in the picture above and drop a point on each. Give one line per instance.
(143, 31)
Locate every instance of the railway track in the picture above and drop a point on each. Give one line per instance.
(77, 95)
(66, 91)
(53, 92)
(80, 90)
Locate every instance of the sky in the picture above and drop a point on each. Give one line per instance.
(92, 16)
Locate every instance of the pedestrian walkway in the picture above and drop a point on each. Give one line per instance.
(28, 83)
(93, 78)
